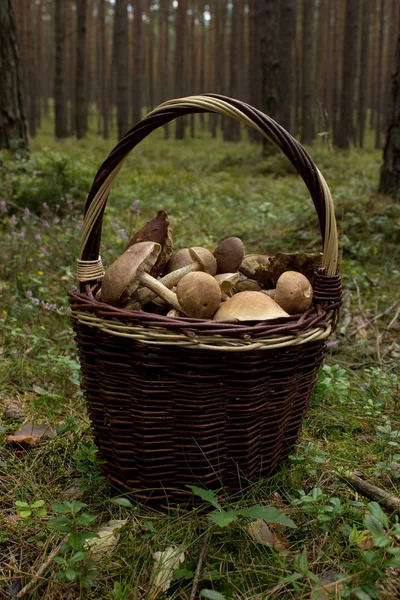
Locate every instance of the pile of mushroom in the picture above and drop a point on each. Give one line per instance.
(224, 285)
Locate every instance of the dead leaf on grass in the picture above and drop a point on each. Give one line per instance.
(109, 535)
(261, 533)
(165, 564)
(29, 434)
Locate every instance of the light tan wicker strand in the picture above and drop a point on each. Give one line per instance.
(162, 337)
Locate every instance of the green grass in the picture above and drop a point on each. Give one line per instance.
(210, 189)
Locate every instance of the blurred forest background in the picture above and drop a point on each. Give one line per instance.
(319, 67)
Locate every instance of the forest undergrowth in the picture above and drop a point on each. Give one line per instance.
(320, 538)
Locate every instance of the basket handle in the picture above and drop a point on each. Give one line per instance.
(89, 262)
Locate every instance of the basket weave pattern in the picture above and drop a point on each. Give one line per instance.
(180, 401)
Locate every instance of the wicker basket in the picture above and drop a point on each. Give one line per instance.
(175, 402)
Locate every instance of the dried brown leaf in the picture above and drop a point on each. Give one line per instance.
(29, 434)
(261, 533)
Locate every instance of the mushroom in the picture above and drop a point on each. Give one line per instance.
(251, 262)
(247, 285)
(130, 270)
(226, 282)
(200, 259)
(229, 254)
(293, 292)
(199, 294)
(249, 306)
(157, 230)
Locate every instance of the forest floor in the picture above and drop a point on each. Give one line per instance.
(326, 541)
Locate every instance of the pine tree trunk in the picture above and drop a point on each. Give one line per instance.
(380, 83)
(346, 126)
(362, 84)
(103, 67)
(60, 95)
(32, 70)
(337, 64)
(39, 62)
(80, 87)
(180, 63)
(12, 117)
(121, 61)
(390, 173)
(287, 37)
(137, 91)
(269, 64)
(150, 54)
(89, 65)
(164, 55)
(254, 61)
(307, 126)
(232, 127)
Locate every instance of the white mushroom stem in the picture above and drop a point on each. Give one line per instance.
(145, 294)
(160, 290)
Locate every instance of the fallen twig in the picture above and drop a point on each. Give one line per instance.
(373, 492)
(199, 565)
(40, 571)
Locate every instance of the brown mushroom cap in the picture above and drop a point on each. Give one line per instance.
(229, 254)
(245, 284)
(123, 276)
(180, 258)
(199, 294)
(249, 306)
(293, 292)
(251, 262)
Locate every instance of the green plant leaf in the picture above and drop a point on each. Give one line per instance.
(224, 518)
(86, 519)
(268, 513)
(22, 504)
(77, 539)
(60, 560)
(70, 575)
(77, 557)
(207, 495)
(302, 561)
(122, 502)
(42, 512)
(392, 562)
(62, 524)
(374, 526)
(376, 511)
(212, 595)
(360, 594)
(37, 504)
(25, 513)
(290, 578)
(182, 574)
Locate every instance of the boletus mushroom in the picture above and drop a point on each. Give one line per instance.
(293, 292)
(249, 306)
(245, 284)
(199, 294)
(229, 254)
(194, 259)
(130, 270)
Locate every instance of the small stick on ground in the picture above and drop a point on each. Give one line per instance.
(373, 492)
(199, 565)
(40, 571)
